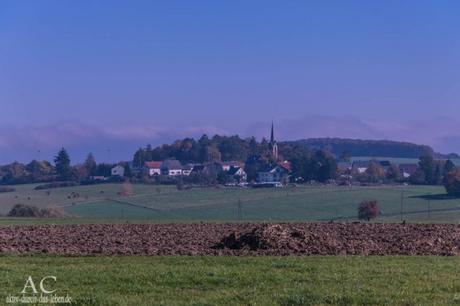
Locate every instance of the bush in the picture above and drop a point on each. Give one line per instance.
(6, 189)
(26, 211)
(368, 210)
(452, 182)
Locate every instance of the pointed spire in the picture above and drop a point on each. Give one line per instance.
(272, 135)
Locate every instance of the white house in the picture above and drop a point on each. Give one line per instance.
(118, 171)
(272, 175)
(360, 166)
(153, 167)
(238, 174)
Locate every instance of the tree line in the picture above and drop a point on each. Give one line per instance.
(359, 147)
(60, 170)
(306, 164)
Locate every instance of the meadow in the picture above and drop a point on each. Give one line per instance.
(241, 280)
(153, 203)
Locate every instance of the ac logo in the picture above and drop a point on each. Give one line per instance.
(39, 291)
(45, 281)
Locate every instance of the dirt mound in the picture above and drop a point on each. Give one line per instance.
(263, 237)
(27, 211)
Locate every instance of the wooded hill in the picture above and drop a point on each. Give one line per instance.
(359, 147)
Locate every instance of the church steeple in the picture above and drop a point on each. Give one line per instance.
(272, 136)
(273, 145)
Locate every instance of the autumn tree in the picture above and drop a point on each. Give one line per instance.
(374, 172)
(368, 210)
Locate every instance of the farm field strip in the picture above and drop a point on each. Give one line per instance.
(232, 239)
(206, 280)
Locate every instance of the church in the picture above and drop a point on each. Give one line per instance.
(273, 145)
(274, 175)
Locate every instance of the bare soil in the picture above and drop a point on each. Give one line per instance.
(232, 239)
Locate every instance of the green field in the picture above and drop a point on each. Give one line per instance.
(241, 280)
(151, 203)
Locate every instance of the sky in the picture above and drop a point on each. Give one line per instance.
(110, 76)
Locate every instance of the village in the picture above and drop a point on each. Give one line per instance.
(276, 176)
(276, 173)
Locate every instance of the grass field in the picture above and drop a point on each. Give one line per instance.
(304, 203)
(241, 280)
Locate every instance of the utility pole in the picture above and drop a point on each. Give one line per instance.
(402, 204)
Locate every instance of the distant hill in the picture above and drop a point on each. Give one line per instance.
(359, 147)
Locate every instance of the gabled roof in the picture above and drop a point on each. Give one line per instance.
(153, 164)
(171, 164)
(273, 169)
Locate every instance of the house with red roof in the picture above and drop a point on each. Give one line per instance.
(153, 167)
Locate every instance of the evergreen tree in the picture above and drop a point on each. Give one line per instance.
(62, 164)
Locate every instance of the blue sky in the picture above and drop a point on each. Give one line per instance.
(99, 75)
